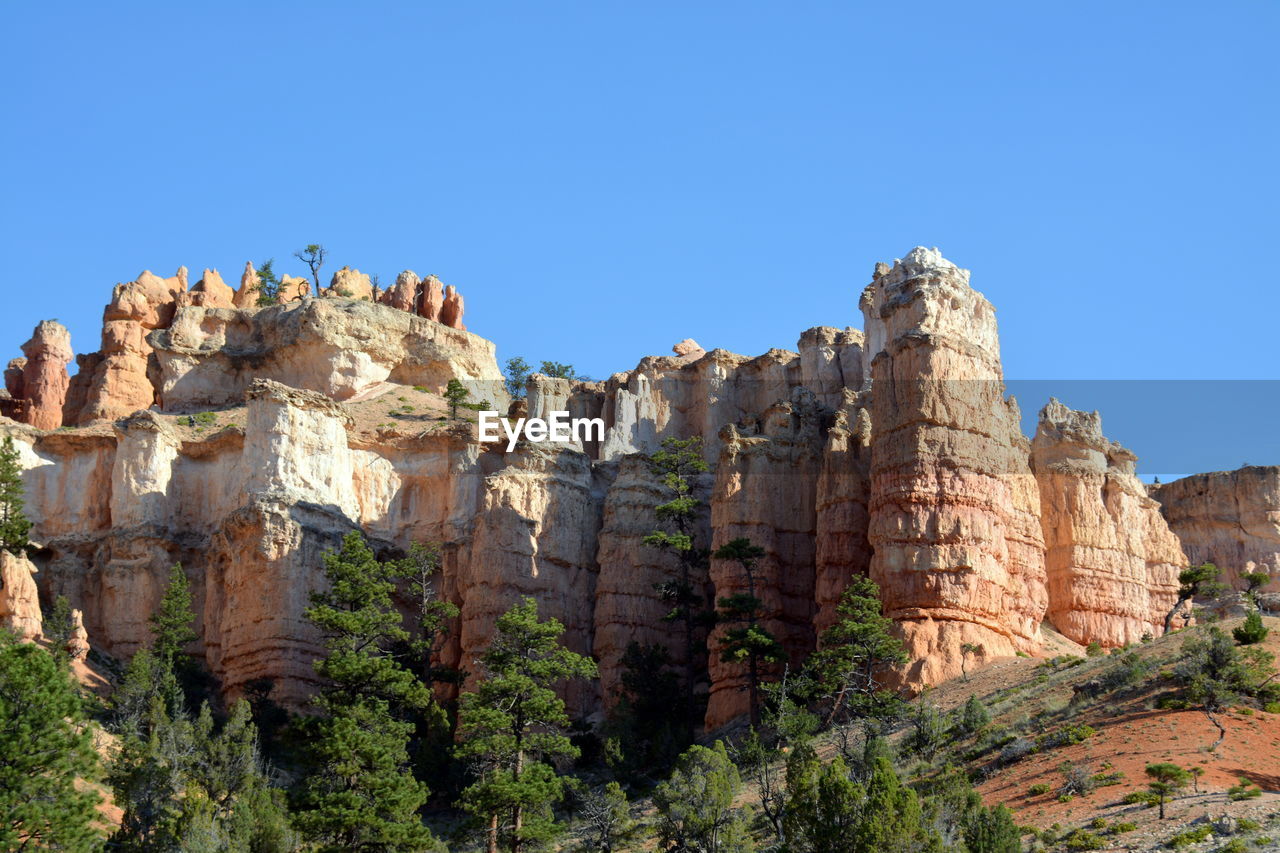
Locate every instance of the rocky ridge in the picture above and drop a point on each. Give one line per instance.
(891, 451)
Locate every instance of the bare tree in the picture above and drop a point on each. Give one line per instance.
(313, 256)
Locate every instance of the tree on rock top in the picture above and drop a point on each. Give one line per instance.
(513, 727)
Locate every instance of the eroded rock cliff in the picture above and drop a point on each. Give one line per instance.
(1112, 561)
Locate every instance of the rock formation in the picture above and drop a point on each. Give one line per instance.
(114, 382)
(1111, 560)
(957, 552)
(892, 453)
(247, 295)
(1228, 518)
(19, 600)
(351, 284)
(431, 298)
(78, 641)
(38, 383)
(451, 310)
(294, 289)
(402, 295)
(210, 292)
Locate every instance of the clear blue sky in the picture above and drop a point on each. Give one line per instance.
(603, 179)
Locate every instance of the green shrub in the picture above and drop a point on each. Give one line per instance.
(1272, 707)
(1098, 823)
(1093, 650)
(1121, 827)
(1102, 780)
(1245, 824)
(206, 418)
(421, 389)
(1144, 798)
(1190, 836)
(1235, 845)
(1082, 839)
(1039, 789)
(1065, 736)
(1244, 791)
(1172, 703)
(1252, 631)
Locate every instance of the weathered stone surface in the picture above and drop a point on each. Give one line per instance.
(337, 347)
(535, 536)
(628, 607)
(765, 492)
(955, 552)
(119, 384)
(294, 289)
(247, 294)
(830, 361)
(212, 292)
(78, 641)
(13, 378)
(451, 310)
(689, 349)
(44, 375)
(842, 550)
(350, 284)
(1111, 560)
(431, 298)
(402, 295)
(1228, 518)
(19, 599)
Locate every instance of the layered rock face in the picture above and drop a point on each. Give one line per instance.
(1228, 518)
(765, 492)
(957, 553)
(891, 453)
(1111, 560)
(337, 347)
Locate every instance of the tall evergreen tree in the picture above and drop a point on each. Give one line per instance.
(747, 640)
(678, 465)
(513, 726)
(358, 794)
(171, 623)
(853, 653)
(45, 749)
(14, 526)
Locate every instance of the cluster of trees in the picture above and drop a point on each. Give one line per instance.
(518, 371)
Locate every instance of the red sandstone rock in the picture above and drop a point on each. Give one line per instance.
(294, 288)
(13, 378)
(1228, 518)
(956, 551)
(404, 293)
(44, 376)
(1112, 561)
(842, 519)
(451, 311)
(689, 348)
(431, 298)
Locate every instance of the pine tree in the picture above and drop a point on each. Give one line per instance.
(695, 805)
(432, 614)
(1194, 582)
(516, 375)
(56, 628)
(853, 653)
(678, 465)
(512, 728)
(358, 795)
(891, 815)
(1251, 631)
(1216, 673)
(14, 526)
(748, 641)
(456, 394)
(171, 629)
(1166, 780)
(268, 286)
(46, 747)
